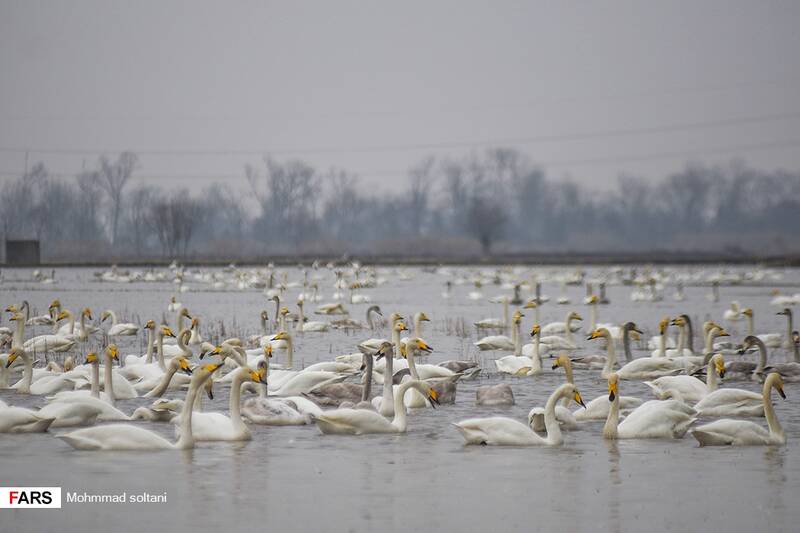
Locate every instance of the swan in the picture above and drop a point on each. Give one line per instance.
(680, 350)
(734, 313)
(730, 432)
(689, 388)
(113, 437)
(656, 419)
(373, 344)
(19, 420)
(68, 330)
(70, 414)
(495, 323)
(117, 328)
(40, 343)
(749, 369)
(563, 327)
(642, 368)
(218, 427)
(156, 386)
(363, 421)
(350, 323)
(600, 361)
(418, 319)
(312, 326)
(730, 402)
(789, 371)
(502, 431)
(274, 411)
(556, 342)
(596, 409)
(147, 358)
(336, 393)
(566, 418)
(120, 388)
(502, 342)
(771, 340)
(331, 309)
(195, 339)
(521, 365)
(787, 342)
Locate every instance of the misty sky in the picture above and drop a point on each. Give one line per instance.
(374, 86)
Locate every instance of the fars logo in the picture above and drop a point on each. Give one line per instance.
(30, 497)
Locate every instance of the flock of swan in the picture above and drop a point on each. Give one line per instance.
(56, 358)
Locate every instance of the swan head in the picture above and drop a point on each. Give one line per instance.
(17, 317)
(678, 321)
(13, 355)
(12, 309)
(151, 324)
(663, 325)
(268, 350)
(281, 336)
(182, 364)
(384, 350)
(185, 312)
(259, 375)
(748, 312)
(562, 360)
(592, 299)
(535, 330)
(400, 326)
(531, 304)
(113, 352)
(87, 313)
(104, 315)
(422, 317)
(599, 333)
(55, 304)
(166, 332)
(394, 317)
(517, 317)
(719, 364)
(91, 358)
(722, 333)
(786, 312)
(264, 315)
(575, 316)
(69, 364)
(284, 311)
(203, 371)
(796, 337)
(775, 381)
(572, 392)
(613, 390)
(418, 344)
(748, 342)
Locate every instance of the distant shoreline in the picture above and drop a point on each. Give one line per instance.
(547, 259)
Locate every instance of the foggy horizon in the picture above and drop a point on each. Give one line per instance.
(374, 89)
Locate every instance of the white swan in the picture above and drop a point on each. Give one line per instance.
(40, 343)
(598, 408)
(19, 420)
(495, 323)
(642, 368)
(118, 328)
(218, 427)
(363, 421)
(113, 437)
(502, 431)
(502, 342)
(273, 411)
(689, 388)
(521, 365)
(656, 419)
(311, 326)
(771, 340)
(730, 432)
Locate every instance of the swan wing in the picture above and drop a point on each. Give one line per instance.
(115, 437)
(729, 432)
(498, 431)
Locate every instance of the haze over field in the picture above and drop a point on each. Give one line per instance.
(631, 126)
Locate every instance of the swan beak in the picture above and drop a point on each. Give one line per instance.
(579, 400)
(637, 330)
(210, 393)
(594, 335)
(577, 317)
(780, 391)
(185, 366)
(535, 330)
(612, 391)
(724, 333)
(424, 347)
(433, 396)
(555, 365)
(11, 359)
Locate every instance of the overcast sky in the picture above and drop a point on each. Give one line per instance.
(588, 89)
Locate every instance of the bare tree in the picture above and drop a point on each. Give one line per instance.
(113, 176)
(174, 218)
(420, 180)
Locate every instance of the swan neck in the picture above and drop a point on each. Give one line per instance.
(593, 317)
(626, 344)
(750, 324)
(506, 319)
(611, 356)
(186, 439)
(289, 351)
(234, 404)
(612, 421)
(19, 335)
(712, 378)
(387, 401)
(149, 358)
(550, 422)
(95, 379)
(160, 352)
(412, 364)
(774, 425)
(517, 340)
(762, 356)
(366, 380)
(108, 383)
(400, 421)
(689, 334)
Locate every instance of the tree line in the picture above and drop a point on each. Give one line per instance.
(494, 201)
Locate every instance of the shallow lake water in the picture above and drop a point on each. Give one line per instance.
(295, 479)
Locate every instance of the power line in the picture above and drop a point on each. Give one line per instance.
(648, 130)
(626, 158)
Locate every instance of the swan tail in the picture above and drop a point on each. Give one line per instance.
(79, 443)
